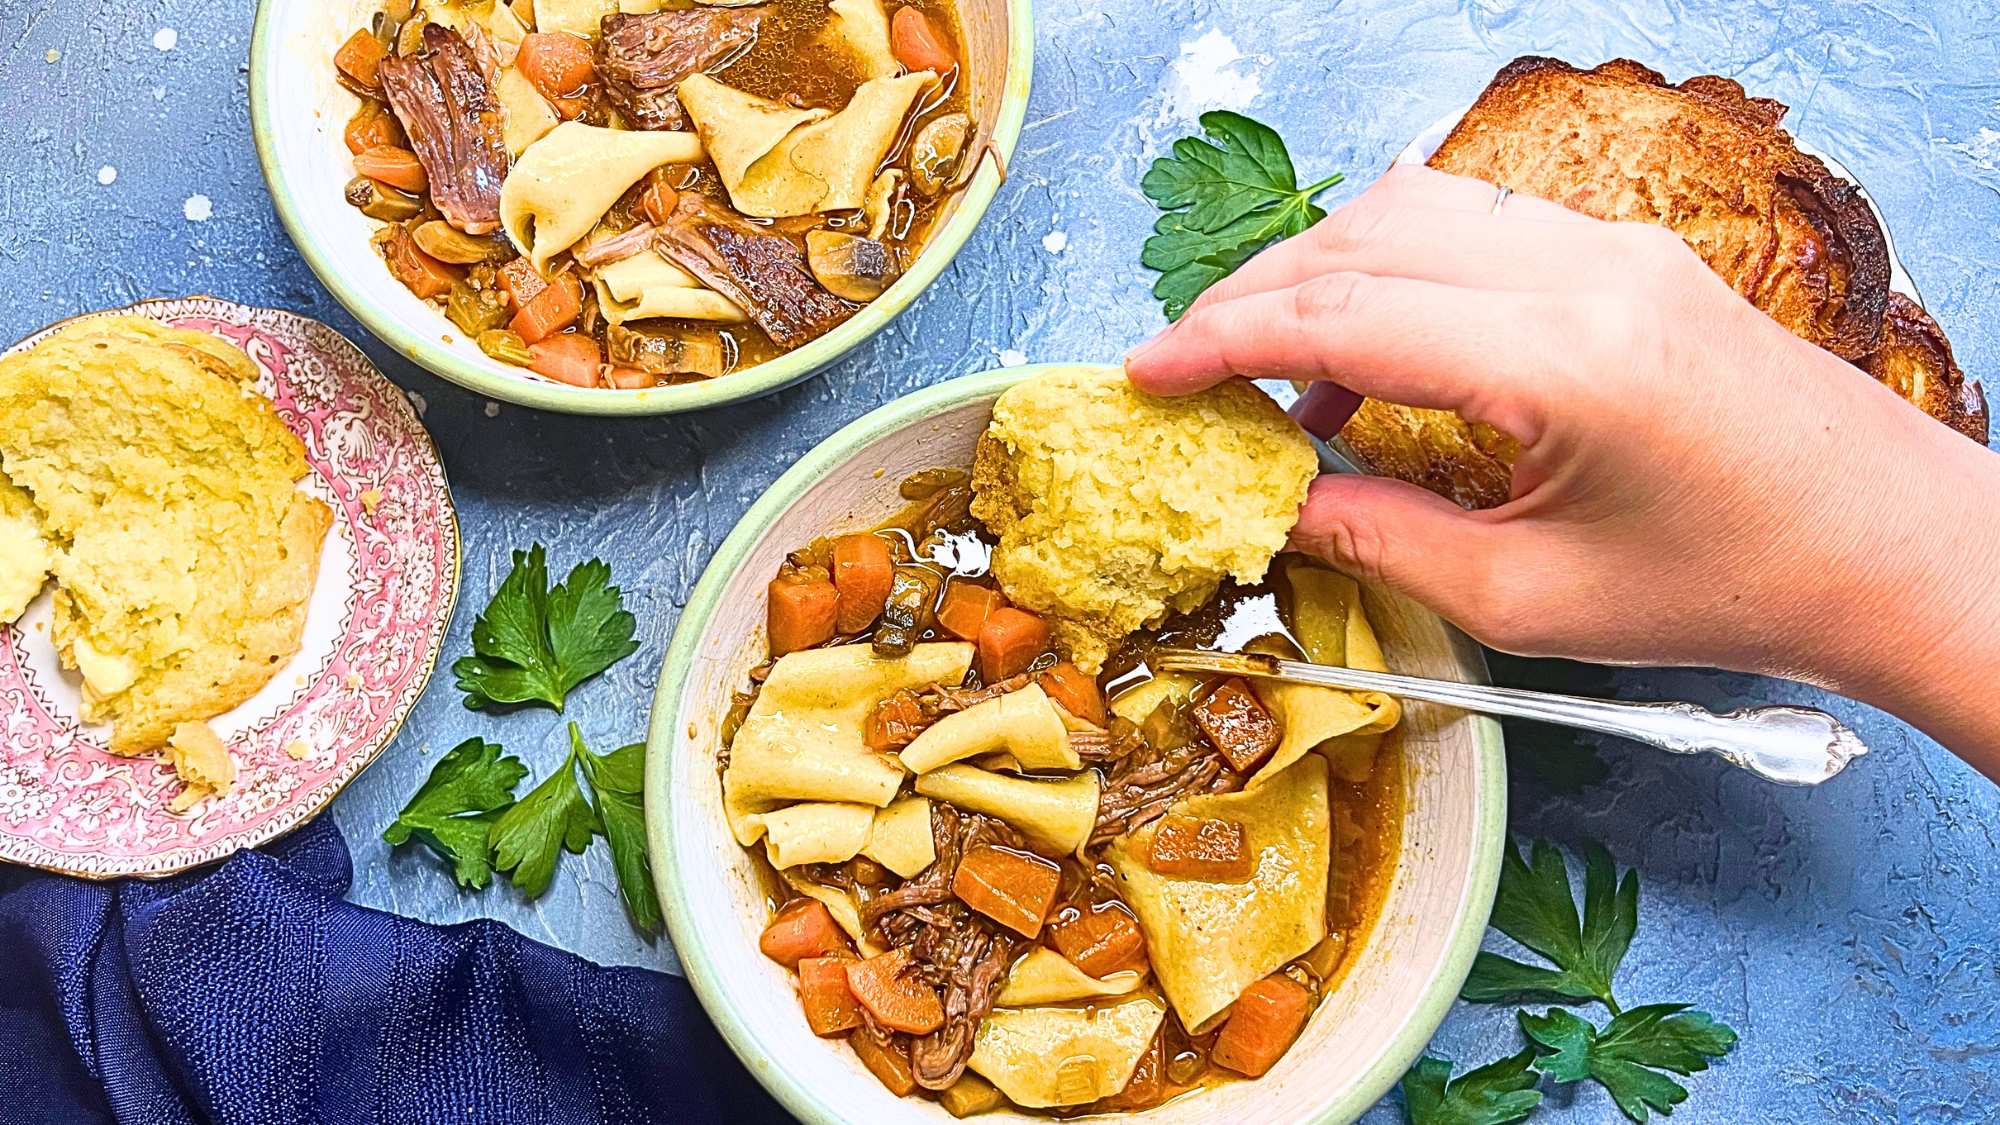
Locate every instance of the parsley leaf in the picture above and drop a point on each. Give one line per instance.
(1494, 1094)
(457, 805)
(1629, 1053)
(528, 838)
(1535, 908)
(617, 785)
(1227, 196)
(533, 644)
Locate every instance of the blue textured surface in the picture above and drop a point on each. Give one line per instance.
(1847, 933)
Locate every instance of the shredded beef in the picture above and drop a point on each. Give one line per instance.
(643, 58)
(953, 833)
(1140, 788)
(1103, 746)
(762, 273)
(911, 711)
(446, 105)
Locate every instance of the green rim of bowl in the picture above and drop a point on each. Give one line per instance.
(701, 970)
(491, 379)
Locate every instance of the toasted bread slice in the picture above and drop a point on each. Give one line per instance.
(1620, 143)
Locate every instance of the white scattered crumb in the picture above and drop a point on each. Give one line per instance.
(1013, 357)
(52, 55)
(198, 208)
(1056, 241)
(493, 410)
(422, 404)
(159, 93)
(1210, 74)
(166, 39)
(1983, 148)
(107, 175)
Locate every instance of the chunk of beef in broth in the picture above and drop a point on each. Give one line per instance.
(764, 274)
(445, 103)
(643, 58)
(967, 959)
(1144, 785)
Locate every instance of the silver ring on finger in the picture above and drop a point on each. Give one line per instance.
(1500, 198)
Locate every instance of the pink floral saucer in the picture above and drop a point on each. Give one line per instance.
(388, 579)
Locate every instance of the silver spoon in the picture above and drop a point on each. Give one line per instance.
(1788, 745)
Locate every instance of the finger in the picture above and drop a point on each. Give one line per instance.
(1486, 355)
(1399, 535)
(1416, 222)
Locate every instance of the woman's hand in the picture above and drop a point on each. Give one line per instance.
(1695, 484)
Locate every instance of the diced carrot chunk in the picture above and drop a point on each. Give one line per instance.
(917, 43)
(894, 995)
(895, 722)
(1010, 641)
(659, 198)
(966, 606)
(804, 928)
(567, 358)
(1238, 725)
(422, 274)
(830, 1007)
(549, 311)
(1201, 848)
(360, 58)
(1102, 940)
(889, 1064)
(1078, 694)
(803, 614)
(863, 572)
(1148, 1085)
(397, 167)
(1010, 887)
(1262, 1025)
(521, 282)
(631, 378)
(373, 126)
(557, 63)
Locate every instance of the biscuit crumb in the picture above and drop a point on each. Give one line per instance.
(371, 500)
(202, 762)
(297, 750)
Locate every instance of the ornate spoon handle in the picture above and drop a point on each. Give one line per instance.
(1788, 745)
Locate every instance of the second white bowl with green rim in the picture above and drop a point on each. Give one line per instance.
(298, 111)
(1358, 1043)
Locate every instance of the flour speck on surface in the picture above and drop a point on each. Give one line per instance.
(1013, 357)
(493, 410)
(198, 208)
(107, 175)
(1056, 241)
(166, 39)
(1211, 74)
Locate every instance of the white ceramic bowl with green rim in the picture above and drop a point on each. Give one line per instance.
(1358, 1043)
(298, 111)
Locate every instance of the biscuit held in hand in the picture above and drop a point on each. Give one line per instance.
(1114, 507)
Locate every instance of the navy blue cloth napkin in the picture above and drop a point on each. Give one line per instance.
(253, 994)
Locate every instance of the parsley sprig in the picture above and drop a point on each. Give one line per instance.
(1631, 1056)
(1226, 197)
(533, 644)
(467, 813)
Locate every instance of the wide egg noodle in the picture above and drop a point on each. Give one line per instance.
(583, 17)
(565, 182)
(1024, 723)
(1042, 1057)
(527, 115)
(646, 287)
(1047, 977)
(861, 28)
(1208, 941)
(803, 738)
(900, 838)
(779, 162)
(1057, 814)
(816, 832)
(1346, 725)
